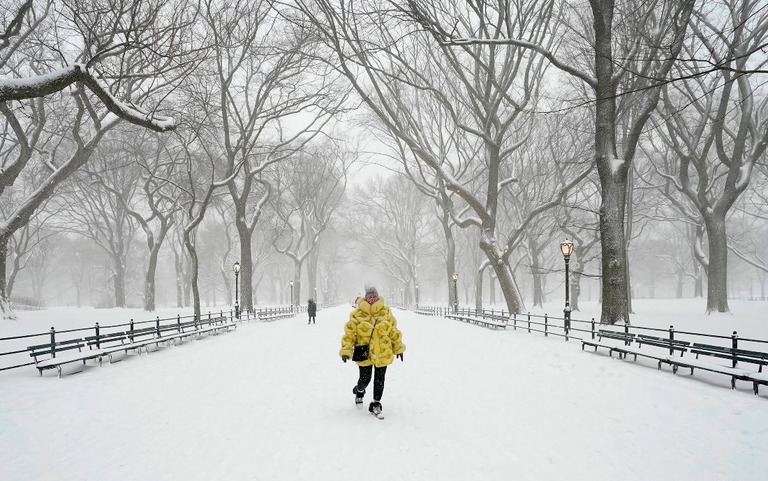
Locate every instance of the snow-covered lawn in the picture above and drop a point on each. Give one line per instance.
(272, 401)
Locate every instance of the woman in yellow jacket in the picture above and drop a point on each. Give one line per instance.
(372, 323)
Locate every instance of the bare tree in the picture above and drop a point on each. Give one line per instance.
(272, 98)
(128, 43)
(308, 188)
(716, 127)
(629, 61)
(488, 97)
(97, 207)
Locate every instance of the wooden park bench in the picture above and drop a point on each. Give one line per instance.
(49, 356)
(657, 348)
(725, 360)
(57, 354)
(271, 316)
(614, 341)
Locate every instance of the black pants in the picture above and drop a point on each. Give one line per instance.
(378, 380)
(311, 319)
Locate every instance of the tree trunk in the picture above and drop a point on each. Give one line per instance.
(717, 282)
(5, 301)
(312, 274)
(179, 280)
(575, 290)
(119, 282)
(507, 282)
(538, 292)
(450, 258)
(615, 285)
(149, 280)
(538, 289)
(246, 260)
(479, 286)
(193, 274)
(296, 283)
(479, 292)
(492, 287)
(612, 172)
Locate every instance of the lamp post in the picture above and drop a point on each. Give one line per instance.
(455, 277)
(291, 283)
(566, 248)
(417, 296)
(236, 268)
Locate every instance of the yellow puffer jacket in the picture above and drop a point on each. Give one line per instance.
(386, 341)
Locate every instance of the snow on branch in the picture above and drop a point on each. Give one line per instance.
(42, 85)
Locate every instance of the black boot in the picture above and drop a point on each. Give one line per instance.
(358, 396)
(375, 409)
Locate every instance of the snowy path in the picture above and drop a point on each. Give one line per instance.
(272, 401)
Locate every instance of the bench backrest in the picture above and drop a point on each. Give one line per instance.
(674, 344)
(744, 355)
(106, 339)
(618, 335)
(48, 349)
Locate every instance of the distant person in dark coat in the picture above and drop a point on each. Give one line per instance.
(311, 311)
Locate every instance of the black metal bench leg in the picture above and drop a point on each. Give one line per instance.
(754, 387)
(733, 382)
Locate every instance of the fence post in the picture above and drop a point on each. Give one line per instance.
(734, 345)
(514, 320)
(53, 342)
(98, 342)
(593, 328)
(529, 322)
(546, 325)
(178, 322)
(671, 339)
(131, 336)
(209, 318)
(157, 326)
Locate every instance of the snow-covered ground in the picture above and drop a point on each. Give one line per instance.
(272, 401)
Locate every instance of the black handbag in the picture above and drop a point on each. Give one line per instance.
(363, 351)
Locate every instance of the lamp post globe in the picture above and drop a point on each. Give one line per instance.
(236, 268)
(566, 248)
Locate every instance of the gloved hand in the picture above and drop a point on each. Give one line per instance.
(400, 356)
(345, 358)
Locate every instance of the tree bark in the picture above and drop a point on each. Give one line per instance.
(119, 281)
(246, 259)
(5, 301)
(506, 280)
(717, 285)
(575, 290)
(149, 281)
(194, 273)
